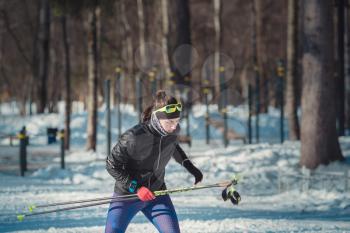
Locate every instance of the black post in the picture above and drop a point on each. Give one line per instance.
(206, 91)
(250, 107)
(207, 127)
(61, 136)
(280, 74)
(119, 100)
(139, 94)
(257, 106)
(225, 126)
(22, 150)
(223, 88)
(188, 123)
(108, 115)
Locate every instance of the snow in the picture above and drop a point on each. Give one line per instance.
(276, 197)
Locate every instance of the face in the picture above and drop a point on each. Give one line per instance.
(169, 125)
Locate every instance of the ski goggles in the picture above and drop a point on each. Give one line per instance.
(170, 108)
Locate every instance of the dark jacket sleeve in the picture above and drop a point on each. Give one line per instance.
(117, 160)
(180, 157)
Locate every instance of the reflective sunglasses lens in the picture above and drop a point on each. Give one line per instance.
(179, 107)
(170, 108)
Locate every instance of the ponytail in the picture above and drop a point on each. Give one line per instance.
(160, 100)
(146, 114)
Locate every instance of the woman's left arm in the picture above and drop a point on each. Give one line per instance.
(181, 157)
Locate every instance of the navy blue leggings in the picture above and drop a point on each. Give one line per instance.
(159, 211)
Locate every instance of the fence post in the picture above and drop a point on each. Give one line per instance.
(281, 74)
(207, 127)
(250, 113)
(108, 115)
(257, 103)
(139, 94)
(223, 102)
(61, 136)
(187, 109)
(119, 97)
(23, 138)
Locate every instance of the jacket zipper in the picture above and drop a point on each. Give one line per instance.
(159, 153)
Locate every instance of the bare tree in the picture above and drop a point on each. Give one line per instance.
(44, 53)
(340, 5)
(93, 17)
(261, 57)
(319, 141)
(67, 74)
(165, 43)
(218, 41)
(292, 71)
(347, 67)
(180, 59)
(141, 24)
(129, 58)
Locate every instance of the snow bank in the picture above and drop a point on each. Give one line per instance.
(271, 185)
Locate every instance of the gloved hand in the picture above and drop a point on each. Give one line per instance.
(194, 171)
(145, 194)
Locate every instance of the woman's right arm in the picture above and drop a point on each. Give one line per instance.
(117, 160)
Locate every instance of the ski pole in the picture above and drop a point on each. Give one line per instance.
(20, 217)
(108, 200)
(33, 207)
(169, 191)
(156, 193)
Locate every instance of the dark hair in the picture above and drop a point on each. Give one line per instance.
(160, 100)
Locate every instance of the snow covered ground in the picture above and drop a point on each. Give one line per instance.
(274, 197)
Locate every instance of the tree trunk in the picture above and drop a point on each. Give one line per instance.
(92, 79)
(34, 55)
(54, 80)
(180, 61)
(44, 54)
(100, 74)
(165, 42)
(256, 92)
(67, 81)
(347, 68)
(141, 24)
(131, 86)
(143, 60)
(217, 27)
(261, 82)
(340, 66)
(292, 71)
(319, 141)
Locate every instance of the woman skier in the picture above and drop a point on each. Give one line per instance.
(137, 163)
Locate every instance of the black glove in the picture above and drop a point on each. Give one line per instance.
(193, 170)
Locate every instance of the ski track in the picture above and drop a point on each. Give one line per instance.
(202, 211)
(263, 208)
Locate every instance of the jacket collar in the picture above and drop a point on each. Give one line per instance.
(153, 131)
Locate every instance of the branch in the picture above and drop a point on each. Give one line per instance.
(17, 42)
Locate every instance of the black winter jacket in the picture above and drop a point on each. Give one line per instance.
(141, 155)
